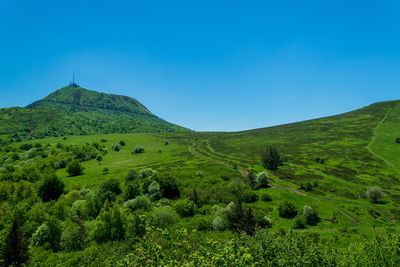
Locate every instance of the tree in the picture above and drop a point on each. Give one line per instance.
(271, 159)
(131, 176)
(14, 252)
(247, 223)
(116, 147)
(111, 185)
(262, 179)
(132, 190)
(251, 178)
(309, 215)
(139, 150)
(287, 209)
(154, 191)
(234, 213)
(140, 202)
(74, 168)
(185, 207)
(51, 188)
(375, 194)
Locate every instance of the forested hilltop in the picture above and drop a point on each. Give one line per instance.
(322, 192)
(73, 110)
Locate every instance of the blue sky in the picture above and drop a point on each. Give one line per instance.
(207, 65)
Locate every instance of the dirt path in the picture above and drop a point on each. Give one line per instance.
(374, 139)
(292, 189)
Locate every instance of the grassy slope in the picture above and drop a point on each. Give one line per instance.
(345, 141)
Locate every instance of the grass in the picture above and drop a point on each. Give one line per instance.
(359, 149)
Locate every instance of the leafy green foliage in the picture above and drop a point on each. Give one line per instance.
(375, 194)
(271, 159)
(287, 209)
(51, 188)
(74, 168)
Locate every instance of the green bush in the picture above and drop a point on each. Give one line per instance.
(185, 207)
(51, 188)
(266, 197)
(116, 147)
(299, 223)
(219, 224)
(375, 194)
(164, 216)
(309, 215)
(262, 180)
(140, 202)
(74, 168)
(139, 150)
(287, 209)
(271, 159)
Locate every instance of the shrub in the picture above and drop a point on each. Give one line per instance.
(74, 168)
(271, 159)
(62, 163)
(99, 157)
(375, 194)
(265, 222)
(299, 223)
(122, 143)
(40, 236)
(398, 140)
(148, 172)
(154, 191)
(116, 147)
(105, 170)
(249, 196)
(111, 185)
(169, 186)
(140, 202)
(219, 224)
(185, 207)
(132, 190)
(287, 210)
(51, 188)
(309, 215)
(131, 176)
(139, 150)
(307, 186)
(166, 143)
(103, 140)
(262, 179)
(164, 216)
(202, 223)
(266, 197)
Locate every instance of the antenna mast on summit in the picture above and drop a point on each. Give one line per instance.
(73, 77)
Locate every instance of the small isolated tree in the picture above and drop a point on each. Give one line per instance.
(99, 157)
(74, 168)
(139, 150)
(287, 209)
(309, 215)
(116, 147)
(262, 179)
(14, 251)
(375, 194)
(398, 140)
(51, 188)
(122, 143)
(271, 159)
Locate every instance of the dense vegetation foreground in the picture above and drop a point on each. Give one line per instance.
(321, 192)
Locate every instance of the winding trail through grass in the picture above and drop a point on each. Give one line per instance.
(289, 188)
(375, 135)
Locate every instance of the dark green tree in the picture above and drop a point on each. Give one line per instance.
(271, 159)
(51, 188)
(74, 168)
(251, 178)
(14, 252)
(248, 223)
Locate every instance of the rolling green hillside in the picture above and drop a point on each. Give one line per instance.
(329, 164)
(76, 111)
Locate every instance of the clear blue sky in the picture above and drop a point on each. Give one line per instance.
(207, 65)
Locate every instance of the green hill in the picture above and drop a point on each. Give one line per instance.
(73, 110)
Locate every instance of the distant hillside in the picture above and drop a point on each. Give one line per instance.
(77, 111)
